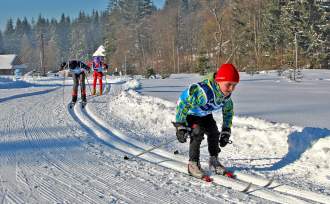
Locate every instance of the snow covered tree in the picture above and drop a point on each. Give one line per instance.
(241, 34)
(305, 20)
(274, 37)
(52, 56)
(62, 36)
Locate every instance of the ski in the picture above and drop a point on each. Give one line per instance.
(72, 104)
(269, 182)
(247, 188)
(261, 187)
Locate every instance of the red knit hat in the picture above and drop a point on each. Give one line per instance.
(227, 72)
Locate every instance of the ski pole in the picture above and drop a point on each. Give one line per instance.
(106, 84)
(63, 87)
(149, 150)
(90, 90)
(65, 74)
(89, 87)
(178, 152)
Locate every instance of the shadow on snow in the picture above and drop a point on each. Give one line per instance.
(27, 94)
(299, 142)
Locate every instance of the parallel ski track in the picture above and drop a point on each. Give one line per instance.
(39, 135)
(257, 180)
(49, 177)
(11, 157)
(148, 195)
(119, 141)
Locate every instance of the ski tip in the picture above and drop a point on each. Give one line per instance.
(247, 188)
(207, 178)
(126, 157)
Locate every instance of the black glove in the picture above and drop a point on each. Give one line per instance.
(182, 132)
(224, 137)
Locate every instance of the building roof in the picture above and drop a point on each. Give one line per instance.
(11, 62)
(99, 52)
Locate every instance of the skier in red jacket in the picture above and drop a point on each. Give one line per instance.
(98, 67)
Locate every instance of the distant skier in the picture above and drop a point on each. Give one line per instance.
(194, 117)
(78, 70)
(99, 67)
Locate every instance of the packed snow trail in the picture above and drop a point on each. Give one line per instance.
(46, 156)
(117, 139)
(131, 109)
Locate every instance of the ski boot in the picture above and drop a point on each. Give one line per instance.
(73, 102)
(219, 168)
(83, 101)
(195, 170)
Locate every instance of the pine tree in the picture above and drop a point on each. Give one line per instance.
(63, 37)
(52, 56)
(9, 37)
(26, 26)
(26, 51)
(303, 20)
(203, 65)
(274, 37)
(241, 34)
(145, 8)
(112, 4)
(314, 20)
(1, 43)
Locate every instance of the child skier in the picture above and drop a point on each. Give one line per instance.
(78, 70)
(98, 67)
(194, 117)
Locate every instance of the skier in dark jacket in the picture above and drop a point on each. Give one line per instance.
(194, 117)
(78, 70)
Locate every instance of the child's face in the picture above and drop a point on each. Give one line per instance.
(227, 87)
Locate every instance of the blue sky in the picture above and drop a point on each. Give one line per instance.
(49, 8)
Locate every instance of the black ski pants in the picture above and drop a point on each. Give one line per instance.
(207, 126)
(76, 79)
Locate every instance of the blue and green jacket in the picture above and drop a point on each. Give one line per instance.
(202, 99)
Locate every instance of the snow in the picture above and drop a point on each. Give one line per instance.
(49, 153)
(266, 96)
(100, 51)
(283, 144)
(6, 61)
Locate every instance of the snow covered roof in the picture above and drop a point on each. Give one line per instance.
(99, 52)
(11, 62)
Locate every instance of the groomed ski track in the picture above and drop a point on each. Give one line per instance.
(49, 154)
(260, 187)
(47, 157)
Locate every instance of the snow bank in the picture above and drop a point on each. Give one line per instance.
(258, 145)
(8, 82)
(131, 84)
(146, 113)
